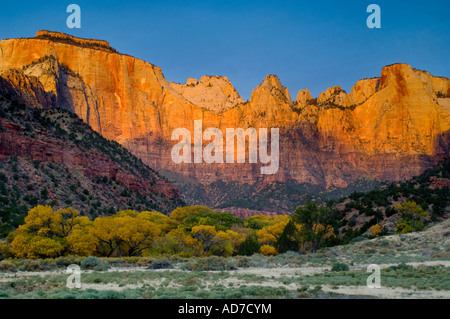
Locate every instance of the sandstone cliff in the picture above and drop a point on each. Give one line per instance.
(389, 128)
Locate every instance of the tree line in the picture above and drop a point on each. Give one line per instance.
(187, 231)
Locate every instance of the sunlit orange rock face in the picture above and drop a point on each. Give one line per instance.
(389, 128)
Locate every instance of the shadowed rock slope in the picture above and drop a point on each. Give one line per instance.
(50, 157)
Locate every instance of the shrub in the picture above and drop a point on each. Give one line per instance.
(413, 217)
(390, 212)
(268, 250)
(65, 296)
(111, 294)
(5, 248)
(160, 264)
(440, 255)
(316, 290)
(233, 294)
(357, 239)
(242, 261)
(258, 260)
(94, 263)
(375, 230)
(213, 263)
(31, 265)
(408, 226)
(7, 266)
(401, 266)
(66, 260)
(123, 261)
(144, 261)
(290, 258)
(339, 267)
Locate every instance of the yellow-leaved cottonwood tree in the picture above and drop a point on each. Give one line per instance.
(46, 232)
(125, 234)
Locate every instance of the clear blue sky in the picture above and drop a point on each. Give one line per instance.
(307, 44)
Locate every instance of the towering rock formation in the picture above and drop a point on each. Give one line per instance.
(303, 97)
(213, 93)
(388, 128)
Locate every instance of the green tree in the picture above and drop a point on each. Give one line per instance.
(44, 193)
(249, 246)
(289, 239)
(315, 225)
